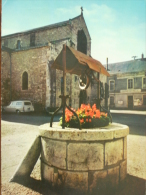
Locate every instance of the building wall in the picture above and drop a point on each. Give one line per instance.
(53, 79)
(66, 31)
(79, 24)
(42, 37)
(44, 84)
(120, 84)
(137, 82)
(5, 78)
(33, 61)
(92, 91)
(122, 92)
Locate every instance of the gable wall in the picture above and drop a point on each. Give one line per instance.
(79, 24)
(43, 36)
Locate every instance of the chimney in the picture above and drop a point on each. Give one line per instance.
(142, 56)
(107, 64)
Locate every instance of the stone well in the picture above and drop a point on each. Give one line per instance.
(87, 161)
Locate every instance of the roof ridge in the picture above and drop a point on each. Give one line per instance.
(126, 61)
(43, 27)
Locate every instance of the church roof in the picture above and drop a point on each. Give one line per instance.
(59, 24)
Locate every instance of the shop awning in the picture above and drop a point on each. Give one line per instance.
(77, 62)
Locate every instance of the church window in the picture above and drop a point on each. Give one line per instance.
(6, 42)
(32, 39)
(82, 42)
(25, 81)
(18, 44)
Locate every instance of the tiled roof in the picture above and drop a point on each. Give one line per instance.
(136, 65)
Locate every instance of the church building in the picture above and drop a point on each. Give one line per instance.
(26, 64)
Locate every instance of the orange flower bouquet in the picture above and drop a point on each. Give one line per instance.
(90, 117)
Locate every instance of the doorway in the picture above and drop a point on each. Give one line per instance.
(130, 102)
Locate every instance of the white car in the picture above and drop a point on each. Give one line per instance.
(19, 106)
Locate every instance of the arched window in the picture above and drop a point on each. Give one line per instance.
(25, 81)
(82, 42)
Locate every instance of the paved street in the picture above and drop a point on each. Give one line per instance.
(31, 119)
(136, 122)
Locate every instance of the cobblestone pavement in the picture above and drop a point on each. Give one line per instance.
(16, 139)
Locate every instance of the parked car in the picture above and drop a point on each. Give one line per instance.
(19, 106)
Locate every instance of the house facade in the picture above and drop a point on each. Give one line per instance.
(27, 58)
(127, 84)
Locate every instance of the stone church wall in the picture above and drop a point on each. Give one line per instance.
(44, 84)
(42, 37)
(53, 34)
(79, 24)
(33, 61)
(5, 78)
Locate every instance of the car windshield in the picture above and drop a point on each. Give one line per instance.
(27, 103)
(11, 103)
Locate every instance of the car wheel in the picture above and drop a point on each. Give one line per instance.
(18, 111)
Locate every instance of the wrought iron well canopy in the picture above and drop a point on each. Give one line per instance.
(75, 62)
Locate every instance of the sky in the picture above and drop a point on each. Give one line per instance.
(117, 27)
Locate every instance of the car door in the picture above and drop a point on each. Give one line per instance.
(10, 107)
(19, 106)
(13, 107)
(27, 106)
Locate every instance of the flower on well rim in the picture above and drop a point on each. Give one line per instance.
(91, 113)
(89, 117)
(97, 115)
(103, 114)
(81, 120)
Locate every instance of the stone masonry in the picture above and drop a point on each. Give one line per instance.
(89, 161)
(5, 77)
(35, 58)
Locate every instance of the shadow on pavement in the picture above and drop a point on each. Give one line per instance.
(29, 118)
(131, 186)
(136, 123)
